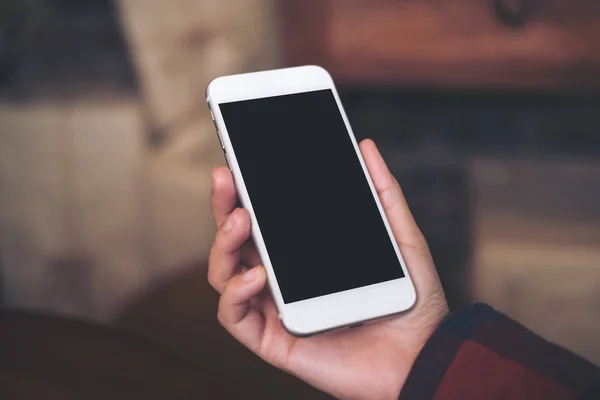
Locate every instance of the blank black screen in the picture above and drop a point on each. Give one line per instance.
(316, 212)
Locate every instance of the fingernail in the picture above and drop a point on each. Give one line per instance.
(230, 223)
(250, 275)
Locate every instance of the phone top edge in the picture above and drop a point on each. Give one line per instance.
(273, 70)
(267, 83)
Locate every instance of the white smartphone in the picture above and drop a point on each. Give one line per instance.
(317, 223)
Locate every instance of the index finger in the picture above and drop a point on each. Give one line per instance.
(223, 197)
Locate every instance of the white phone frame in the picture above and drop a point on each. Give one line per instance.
(347, 308)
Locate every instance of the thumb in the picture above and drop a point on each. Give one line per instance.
(392, 199)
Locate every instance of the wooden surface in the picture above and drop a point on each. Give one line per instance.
(167, 344)
(44, 357)
(437, 43)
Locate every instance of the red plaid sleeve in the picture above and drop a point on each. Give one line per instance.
(479, 353)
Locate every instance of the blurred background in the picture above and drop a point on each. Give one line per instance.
(488, 113)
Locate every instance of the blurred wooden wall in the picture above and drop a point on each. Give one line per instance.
(469, 44)
(104, 191)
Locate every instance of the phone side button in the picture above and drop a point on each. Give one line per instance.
(227, 161)
(220, 141)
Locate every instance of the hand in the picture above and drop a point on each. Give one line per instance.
(368, 362)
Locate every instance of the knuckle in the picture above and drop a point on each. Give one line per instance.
(212, 279)
(221, 314)
(216, 251)
(422, 240)
(220, 318)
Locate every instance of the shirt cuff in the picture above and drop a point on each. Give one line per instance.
(479, 353)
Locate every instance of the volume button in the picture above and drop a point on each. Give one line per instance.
(220, 141)
(227, 161)
(211, 115)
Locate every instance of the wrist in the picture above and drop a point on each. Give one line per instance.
(412, 341)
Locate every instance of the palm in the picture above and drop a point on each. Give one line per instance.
(371, 361)
(363, 355)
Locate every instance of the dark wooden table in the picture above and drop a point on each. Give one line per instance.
(43, 357)
(166, 344)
